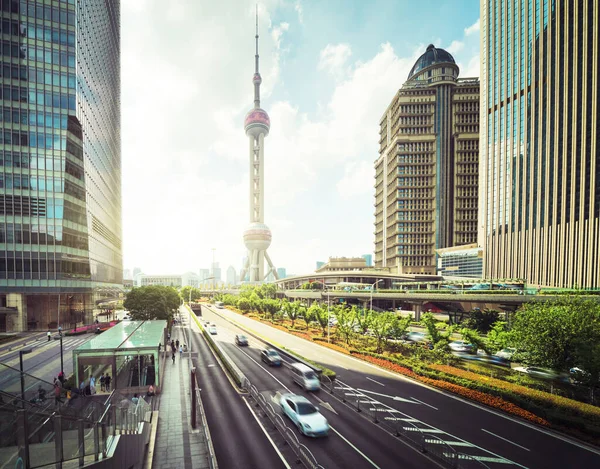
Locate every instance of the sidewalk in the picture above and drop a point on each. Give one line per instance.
(177, 445)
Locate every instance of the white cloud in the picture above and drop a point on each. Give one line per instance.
(300, 11)
(473, 29)
(185, 155)
(357, 180)
(455, 46)
(333, 59)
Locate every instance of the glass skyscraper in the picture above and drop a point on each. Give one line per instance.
(60, 161)
(540, 166)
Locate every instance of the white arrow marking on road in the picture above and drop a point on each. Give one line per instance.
(424, 403)
(396, 398)
(371, 379)
(326, 405)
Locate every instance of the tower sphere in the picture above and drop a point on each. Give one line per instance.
(257, 121)
(257, 236)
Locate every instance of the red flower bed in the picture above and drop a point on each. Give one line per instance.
(478, 396)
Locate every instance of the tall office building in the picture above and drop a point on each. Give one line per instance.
(426, 174)
(540, 165)
(60, 156)
(231, 275)
(215, 272)
(368, 259)
(281, 273)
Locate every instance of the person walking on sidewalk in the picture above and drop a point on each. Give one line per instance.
(102, 382)
(107, 382)
(173, 357)
(49, 336)
(180, 351)
(57, 399)
(177, 344)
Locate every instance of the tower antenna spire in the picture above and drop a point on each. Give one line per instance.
(256, 37)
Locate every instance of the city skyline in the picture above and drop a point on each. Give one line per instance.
(322, 143)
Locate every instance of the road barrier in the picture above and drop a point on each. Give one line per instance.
(401, 425)
(303, 454)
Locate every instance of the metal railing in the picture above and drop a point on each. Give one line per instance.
(303, 454)
(201, 421)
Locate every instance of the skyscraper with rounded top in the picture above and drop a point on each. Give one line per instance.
(257, 237)
(427, 169)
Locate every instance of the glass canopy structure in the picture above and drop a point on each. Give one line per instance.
(128, 352)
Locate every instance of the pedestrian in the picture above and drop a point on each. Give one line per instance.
(173, 357)
(49, 335)
(81, 388)
(93, 385)
(135, 399)
(61, 378)
(107, 382)
(169, 336)
(57, 399)
(180, 351)
(102, 382)
(177, 343)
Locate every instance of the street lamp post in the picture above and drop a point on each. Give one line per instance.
(372, 287)
(21, 353)
(328, 307)
(61, 356)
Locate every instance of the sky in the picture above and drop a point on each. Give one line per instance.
(329, 71)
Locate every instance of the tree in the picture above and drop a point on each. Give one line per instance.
(400, 326)
(152, 302)
(382, 325)
(244, 304)
(319, 314)
(472, 336)
(363, 318)
(267, 290)
(561, 334)
(184, 293)
(498, 337)
(439, 338)
(482, 320)
(290, 309)
(345, 322)
(271, 307)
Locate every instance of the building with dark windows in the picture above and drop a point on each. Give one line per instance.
(60, 162)
(426, 175)
(461, 261)
(540, 166)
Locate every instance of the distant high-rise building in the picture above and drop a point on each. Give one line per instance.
(231, 275)
(216, 273)
(540, 167)
(320, 264)
(203, 274)
(368, 259)
(426, 175)
(281, 272)
(60, 183)
(136, 271)
(127, 274)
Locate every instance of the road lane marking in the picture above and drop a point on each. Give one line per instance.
(452, 443)
(486, 459)
(371, 379)
(355, 448)
(379, 409)
(424, 403)
(505, 439)
(423, 430)
(396, 398)
(267, 435)
(326, 405)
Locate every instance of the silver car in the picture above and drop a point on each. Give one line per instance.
(304, 415)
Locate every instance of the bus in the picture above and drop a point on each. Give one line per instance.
(219, 304)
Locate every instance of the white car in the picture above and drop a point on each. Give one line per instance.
(461, 346)
(542, 373)
(506, 353)
(304, 415)
(212, 329)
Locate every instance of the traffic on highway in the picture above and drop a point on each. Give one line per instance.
(480, 436)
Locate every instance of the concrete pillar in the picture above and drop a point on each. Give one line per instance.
(418, 307)
(16, 323)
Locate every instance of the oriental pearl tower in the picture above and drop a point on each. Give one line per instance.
(257, 236)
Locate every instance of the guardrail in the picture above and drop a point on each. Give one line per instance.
(303, 454)
(233, 369)
(401, 425)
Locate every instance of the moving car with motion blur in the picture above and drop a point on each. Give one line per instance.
(270, 357)
(241, 340)
(304, 415)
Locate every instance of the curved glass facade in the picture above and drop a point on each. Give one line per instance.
(60, 161)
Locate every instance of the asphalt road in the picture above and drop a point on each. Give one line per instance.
(491, 437)
(353, 441)
(238, 440)
(43, 362)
